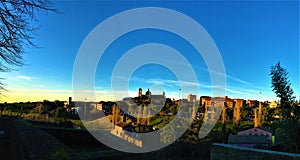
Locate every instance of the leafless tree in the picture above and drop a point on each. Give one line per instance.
(17, 29)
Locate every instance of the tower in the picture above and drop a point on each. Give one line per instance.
(140, 92)
(115, 114)
(70, 100)
(148, 93)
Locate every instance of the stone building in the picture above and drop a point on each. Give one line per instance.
(191, 97)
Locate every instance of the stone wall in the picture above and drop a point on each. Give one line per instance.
(25, 141)
(74, 137)
(225, 151)
(121, 134)
(10, 146)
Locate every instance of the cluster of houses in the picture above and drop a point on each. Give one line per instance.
(205, 101)
(125, 125)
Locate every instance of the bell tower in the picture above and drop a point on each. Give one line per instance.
(140, 92)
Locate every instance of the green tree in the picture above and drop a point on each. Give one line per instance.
(246, 112)
(282, 88)
(229, 113)
(173, 109)
(288, 129)
(60, 113)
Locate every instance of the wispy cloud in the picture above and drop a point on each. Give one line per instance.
(238, 80)
(173, 83)
(254, 91)
(39, 90)
(236, 91)
(24, 77)
(234, 78)
(41, 86)
(164, 82)
(226, 75)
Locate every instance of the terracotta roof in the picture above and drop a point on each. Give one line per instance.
(265, 129)
(261, 128)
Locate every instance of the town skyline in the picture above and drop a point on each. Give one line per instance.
(189, 98)
(251, 37)
(149, 79)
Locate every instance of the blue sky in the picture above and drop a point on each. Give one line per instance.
(250, 35)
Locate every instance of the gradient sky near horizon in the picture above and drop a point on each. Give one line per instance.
(250, 35)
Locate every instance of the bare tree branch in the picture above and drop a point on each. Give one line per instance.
(17, 30)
